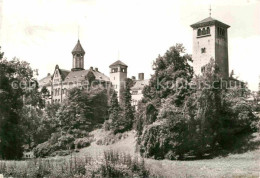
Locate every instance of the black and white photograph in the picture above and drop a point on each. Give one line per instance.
(129, 88)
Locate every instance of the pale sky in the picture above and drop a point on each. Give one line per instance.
(44, 32)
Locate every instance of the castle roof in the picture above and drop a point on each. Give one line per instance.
(209, 21)
(139, 84)
(64, 73)
(118, 63)
(78, 48)
(81, 76)
(46, 81)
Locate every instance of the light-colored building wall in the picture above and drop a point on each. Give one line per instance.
(118, 76)
(206, 41)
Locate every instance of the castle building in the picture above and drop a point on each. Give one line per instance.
(137, 89)
(62, 80)
(118, 75)
(210, 40)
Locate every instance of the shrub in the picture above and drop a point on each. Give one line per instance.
(45, 149)
(83, 142)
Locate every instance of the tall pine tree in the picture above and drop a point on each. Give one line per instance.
(128, 112)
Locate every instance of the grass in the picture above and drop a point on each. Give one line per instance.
(112, 164)
(120, 160)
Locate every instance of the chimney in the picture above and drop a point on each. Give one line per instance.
(96, 69)
(133, 78)
(48, 74)
(91, 68)
(141, 76)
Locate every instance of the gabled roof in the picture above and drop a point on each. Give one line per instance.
(78, 48)
(139, 84)
(46, 81)
(64, 73)
(209, 21)
(80, 76)
(118, 63)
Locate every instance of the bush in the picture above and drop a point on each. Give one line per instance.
(83, 142)
(45, 149)
(111, 138)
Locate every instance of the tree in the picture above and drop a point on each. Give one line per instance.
(128, 112)
(207, 116)
(16, 78)
(172, 75)
(114, 111)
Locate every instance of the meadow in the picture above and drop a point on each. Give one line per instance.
(120, 160)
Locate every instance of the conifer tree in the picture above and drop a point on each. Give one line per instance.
(128, 109)
(114, 108)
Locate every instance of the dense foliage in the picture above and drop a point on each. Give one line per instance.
(200, 118)
(121, 118)
(18, 90)
(74, 119)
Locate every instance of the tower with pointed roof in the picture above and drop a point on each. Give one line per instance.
(78, 57)
(118, 75)
(210, 40)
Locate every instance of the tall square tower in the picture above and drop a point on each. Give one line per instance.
(118, 76)
(210, 40)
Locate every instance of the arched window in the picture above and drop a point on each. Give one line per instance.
(199, 32)
(204, 31)
(208, 30)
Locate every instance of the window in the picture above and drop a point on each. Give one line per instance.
(221, 32)
(114, 70)
(204, 31)
(203, 50)
(135, 92)
(208, 30)
(202, 69)
(199, 32)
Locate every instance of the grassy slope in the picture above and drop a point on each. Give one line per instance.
(234, 165)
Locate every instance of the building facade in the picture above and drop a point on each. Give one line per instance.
(61, 81)
(118, 76)
(210, 40)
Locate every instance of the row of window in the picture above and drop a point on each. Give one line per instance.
(203, 31)
(135, 92)
(206, 31)
(57, 91)
(221, 31)
(114, 70)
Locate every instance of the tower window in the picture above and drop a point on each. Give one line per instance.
(203, 50)
(199, 32)
(208, 30)
(221, 32)
(114, 70)
(204, 31)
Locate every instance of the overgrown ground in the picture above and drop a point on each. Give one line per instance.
(244, 162)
